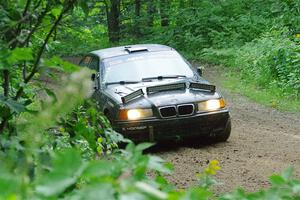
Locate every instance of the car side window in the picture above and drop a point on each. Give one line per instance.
(85, 61)
(94, 64)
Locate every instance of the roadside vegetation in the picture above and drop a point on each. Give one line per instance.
(53, 142)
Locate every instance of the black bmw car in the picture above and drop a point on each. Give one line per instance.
(150, 92)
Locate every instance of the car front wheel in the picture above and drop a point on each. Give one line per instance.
(225, 134)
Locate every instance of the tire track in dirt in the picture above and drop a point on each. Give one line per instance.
(263, 141)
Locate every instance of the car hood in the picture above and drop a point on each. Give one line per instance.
(159, 99)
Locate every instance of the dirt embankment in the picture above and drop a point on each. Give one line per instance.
(263, 141)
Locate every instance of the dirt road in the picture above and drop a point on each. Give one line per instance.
(263, 141)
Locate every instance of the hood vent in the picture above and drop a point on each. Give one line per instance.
(132, 96)
(200, 86)
(135, 49)
(168, 87)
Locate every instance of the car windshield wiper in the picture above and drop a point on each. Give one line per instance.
(163, 77)
(122, 82)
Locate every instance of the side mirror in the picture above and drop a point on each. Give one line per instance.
(200, 70)
(93, 77)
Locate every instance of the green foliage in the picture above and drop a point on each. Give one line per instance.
(14, 106)
(66, 149)
(34, 166)
(82, 33)
(20, 54)
(89, 130)
(270, 61)
(26, 29)
(223, 24)
(283, 187)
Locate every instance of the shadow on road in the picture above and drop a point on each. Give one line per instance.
(176, 145)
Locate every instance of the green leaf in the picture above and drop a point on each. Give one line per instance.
(66, 169)
(296, 188)
(277, 180)
(197, 193)
(132, 196)
(143, 146)
(150, 190)
(130, 147)
(20, 54)
(9, 184)
(82, 128)
(94, 191)
(13, 105)
(158, 164)
(100, 168)
(56, 11)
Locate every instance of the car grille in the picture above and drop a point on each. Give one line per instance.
(169, 111)
(185, 109)
(173, 111)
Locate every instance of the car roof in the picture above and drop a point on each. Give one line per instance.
(128, 49)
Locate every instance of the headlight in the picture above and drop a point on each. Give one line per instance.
(134, 114)
(210, 105)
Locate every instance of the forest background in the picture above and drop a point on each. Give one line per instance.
(53, 145)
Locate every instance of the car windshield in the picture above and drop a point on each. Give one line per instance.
(138, 67)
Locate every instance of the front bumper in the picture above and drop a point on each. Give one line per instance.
(174, 128)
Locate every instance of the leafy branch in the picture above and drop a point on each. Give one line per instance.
(14, 43)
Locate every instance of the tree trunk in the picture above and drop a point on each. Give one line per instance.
(6, 82)
(151, 12)
(137, 28)
(5, 86)
(137, 8)
(113, 21)
(164, 15)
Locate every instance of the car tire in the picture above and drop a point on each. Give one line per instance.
(224, 135)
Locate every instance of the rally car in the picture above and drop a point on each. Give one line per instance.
(149, 92)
